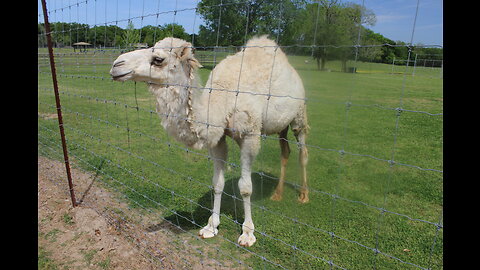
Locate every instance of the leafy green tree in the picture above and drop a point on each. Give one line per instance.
(174, 30)
(234, 20)
(226, 22)
(401, 52)
(334, 27)
(384, 54)
(130, 36)
(106, 36)
(152, 34)
(64, 34)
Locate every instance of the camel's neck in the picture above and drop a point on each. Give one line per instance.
(174, 105)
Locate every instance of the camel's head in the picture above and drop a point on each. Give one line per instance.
(167, 61)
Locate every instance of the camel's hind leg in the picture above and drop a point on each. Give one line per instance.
(300, 129)
(303, 159)
(285, 153)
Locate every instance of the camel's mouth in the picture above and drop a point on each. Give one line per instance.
(120, 77)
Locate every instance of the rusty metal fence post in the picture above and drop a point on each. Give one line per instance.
(57, 101)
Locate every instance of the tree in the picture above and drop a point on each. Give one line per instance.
(151, 34)
(384, 54)
(64, 34)
(227, 22)
(236, 20)
(174, 30)
(106, 36)
(334, 28)
(130, 36)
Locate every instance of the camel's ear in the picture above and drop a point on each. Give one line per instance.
(185, 51)
(186, 56)
(194, 63)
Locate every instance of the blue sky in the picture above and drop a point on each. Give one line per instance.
(394, 17)
(395, 20)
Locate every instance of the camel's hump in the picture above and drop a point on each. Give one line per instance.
(261, 41)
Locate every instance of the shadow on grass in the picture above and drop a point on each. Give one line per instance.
(232, 204)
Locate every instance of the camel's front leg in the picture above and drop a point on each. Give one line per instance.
(249, 149)
(219, 155)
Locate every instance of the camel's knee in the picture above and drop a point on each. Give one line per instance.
(218, 187)
(245, 187)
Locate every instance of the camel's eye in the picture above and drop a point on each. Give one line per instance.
(157, 61)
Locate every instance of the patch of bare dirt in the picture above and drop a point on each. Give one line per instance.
(102, 232)
(48, 115)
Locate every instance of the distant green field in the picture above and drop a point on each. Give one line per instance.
(359, 202)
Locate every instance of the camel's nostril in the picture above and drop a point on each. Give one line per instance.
(119, 63)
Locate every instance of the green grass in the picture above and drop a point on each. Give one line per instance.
(101, 116)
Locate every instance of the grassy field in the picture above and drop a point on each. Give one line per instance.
(359, 202)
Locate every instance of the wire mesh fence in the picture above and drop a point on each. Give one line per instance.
(375, 142)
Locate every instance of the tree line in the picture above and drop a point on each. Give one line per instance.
(66, 34)
(325, 29)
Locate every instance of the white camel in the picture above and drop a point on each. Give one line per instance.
(254, 92)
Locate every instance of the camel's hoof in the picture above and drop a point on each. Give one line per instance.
(247, 239)
(276, 197)
(207, 232)
(303, 198)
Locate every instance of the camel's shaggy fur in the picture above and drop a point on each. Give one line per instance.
(256, 91)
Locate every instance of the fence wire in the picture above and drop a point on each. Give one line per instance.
(113, 130)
